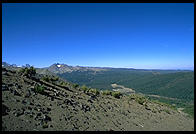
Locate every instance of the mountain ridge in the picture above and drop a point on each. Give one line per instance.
(77, 67)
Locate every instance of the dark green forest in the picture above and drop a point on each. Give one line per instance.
(169, 83)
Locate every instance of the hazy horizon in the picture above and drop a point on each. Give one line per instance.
(118, 35)
(185, 68)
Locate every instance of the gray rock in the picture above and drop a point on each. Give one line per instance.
(52, 98)
(4, 87)
(5, 110)
(31, 115)
(31, 104)
(38, 105)
(16, 93)
(4, 73)
(47, 118)
(62, 106)
(84, 107)
(89, 100)
(10, 85)
(45, 112)
(27, 94)
(18, 112)
(48, 109)
(45, 125)
(39, 114)
(17, 86)
(13, 99)
(74, 109)
(24, 101)
(27, 112)
(147, 108)
(34, 94)
(92, 97)
(59, 103)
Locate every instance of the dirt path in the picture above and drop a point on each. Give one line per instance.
(122, 89)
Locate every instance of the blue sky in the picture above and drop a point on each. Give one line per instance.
(148, 36)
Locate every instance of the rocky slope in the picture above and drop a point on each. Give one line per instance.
(63, 106)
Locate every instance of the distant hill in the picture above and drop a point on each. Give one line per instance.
(169, 83)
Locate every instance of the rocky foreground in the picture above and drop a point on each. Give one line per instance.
(69, 108)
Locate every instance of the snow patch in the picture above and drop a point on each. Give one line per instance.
(58, 65)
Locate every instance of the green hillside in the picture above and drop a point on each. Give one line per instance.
(169, 83)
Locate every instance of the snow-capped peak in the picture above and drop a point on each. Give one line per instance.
(58, 65)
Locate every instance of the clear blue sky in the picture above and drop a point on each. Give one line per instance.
(149, 36)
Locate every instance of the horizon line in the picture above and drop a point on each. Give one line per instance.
(185, 68)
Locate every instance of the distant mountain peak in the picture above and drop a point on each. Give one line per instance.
(63, 68)
(59, 65)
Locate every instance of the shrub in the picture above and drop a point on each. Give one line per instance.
(75, 85)
(46, 78)
(39, 89)
(63, 84)
(22, 70)
(116, 94)
(55, 78)
(107, 92)
(84, 88)
(141, 100)
(138, 98)
(167, 111)
(132, 97)
(95, 91)
(28, 71)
